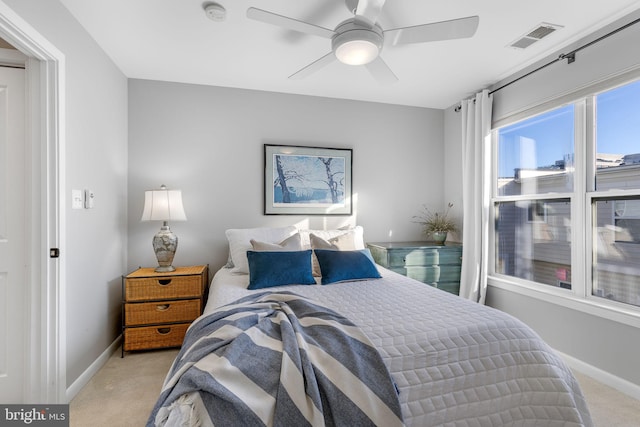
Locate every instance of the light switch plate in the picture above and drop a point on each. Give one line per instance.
(89, 198)
(76, 199)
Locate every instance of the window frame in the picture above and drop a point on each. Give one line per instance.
(582, 199)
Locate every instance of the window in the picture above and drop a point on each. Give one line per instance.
(566, 197)
(618, 138)
(536, 250)
(536, 156)
(616, 253)
(533, 223)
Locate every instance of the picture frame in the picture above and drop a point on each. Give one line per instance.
(300, 180)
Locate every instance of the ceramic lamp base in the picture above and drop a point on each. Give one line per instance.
(165, 244)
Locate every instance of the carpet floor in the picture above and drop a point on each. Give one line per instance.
(124, 390)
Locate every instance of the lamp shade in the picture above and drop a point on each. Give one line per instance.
(163, 205)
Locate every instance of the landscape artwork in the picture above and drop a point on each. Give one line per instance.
(307, 180)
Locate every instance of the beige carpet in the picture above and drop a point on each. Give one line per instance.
(124, 391)
(608, 406)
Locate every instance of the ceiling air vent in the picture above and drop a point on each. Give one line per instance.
(539, 32)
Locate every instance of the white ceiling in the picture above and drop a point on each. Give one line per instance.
(173, 40)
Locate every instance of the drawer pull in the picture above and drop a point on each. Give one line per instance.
(164, 282)
(163, 331)
(163, 307)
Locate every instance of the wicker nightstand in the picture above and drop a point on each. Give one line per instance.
(157, 308)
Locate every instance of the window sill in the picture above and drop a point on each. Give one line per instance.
(595, 306)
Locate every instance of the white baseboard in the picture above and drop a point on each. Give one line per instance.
(84, 378)
(598, 374)
(620, 384)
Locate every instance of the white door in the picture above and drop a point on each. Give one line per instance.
(13, 281)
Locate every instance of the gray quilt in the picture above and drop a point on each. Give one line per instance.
(277, 359)
(456, 363)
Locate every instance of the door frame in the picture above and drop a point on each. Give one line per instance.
(45, 370)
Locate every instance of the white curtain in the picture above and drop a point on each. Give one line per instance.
(476, 149)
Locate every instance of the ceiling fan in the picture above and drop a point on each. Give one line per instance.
(359, 40)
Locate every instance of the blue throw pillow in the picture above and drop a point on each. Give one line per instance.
(338, 266)
(268, 269)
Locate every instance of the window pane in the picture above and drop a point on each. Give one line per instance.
(618, 138)
(533, 241)
(616, 249)
(535, 156)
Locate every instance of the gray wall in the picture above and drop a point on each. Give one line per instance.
(608, 58)
(208, 142)
(608, 345)
(95, 158)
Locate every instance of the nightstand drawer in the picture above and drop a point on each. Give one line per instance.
(148, 337)
(141, 313)
(151, 288)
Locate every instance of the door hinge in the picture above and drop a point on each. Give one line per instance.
(54, 253)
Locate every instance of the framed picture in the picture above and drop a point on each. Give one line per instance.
(307, 180)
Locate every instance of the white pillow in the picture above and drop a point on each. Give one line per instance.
(290, 244)
(240, 242)
(340, 240)
(358, 236)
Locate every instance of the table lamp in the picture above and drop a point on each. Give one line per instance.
(164, 205)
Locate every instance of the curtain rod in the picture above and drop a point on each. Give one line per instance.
(570, 57)
(12, 66)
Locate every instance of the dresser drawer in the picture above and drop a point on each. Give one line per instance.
(424, 274)
(380, 255)
(425, 257)
(148, 337)
(141, 313)
(451, 287)
(422, 257)
(434, 274)
(397, 256)
(150, 288)
(435, 264)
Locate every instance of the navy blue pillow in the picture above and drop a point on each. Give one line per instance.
(268, 269)
(338, 266)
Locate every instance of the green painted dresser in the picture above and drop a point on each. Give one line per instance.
(431, 263)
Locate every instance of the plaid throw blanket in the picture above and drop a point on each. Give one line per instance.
(277, 359)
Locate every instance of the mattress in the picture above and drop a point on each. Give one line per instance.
(455, 362)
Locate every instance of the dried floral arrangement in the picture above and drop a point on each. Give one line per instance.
(433, 222)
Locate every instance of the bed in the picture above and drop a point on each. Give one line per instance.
(453, 362)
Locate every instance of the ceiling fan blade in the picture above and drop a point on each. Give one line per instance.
(289, 23)
(313, 67)
(381, 71)
(370, 9)
(445, 30)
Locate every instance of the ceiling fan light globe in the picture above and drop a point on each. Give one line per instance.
(357, 52)
(355, 45)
